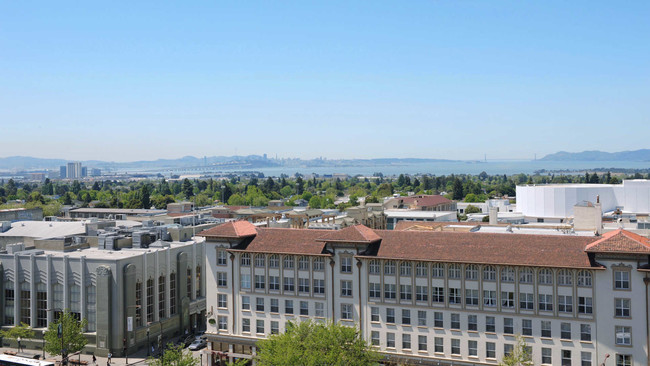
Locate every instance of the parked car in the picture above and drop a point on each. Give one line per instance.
(198, 344)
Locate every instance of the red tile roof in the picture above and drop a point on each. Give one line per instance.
(425, 200)
(230, 230)
(620, 241)
(352, 234)
(294, 241)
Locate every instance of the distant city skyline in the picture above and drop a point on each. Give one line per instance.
(426, 79)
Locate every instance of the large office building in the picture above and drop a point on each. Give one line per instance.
(434, 298)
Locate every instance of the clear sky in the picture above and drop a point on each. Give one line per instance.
(124, 81)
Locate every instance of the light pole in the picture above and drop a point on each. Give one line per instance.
(43, 344)
(19, 348)
(148, 342)
(59, 333)
(129, 328)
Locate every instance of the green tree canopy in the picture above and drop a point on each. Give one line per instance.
(72, 340)
(312, 343)
(21, 331)
(472, 209)
(174, 356)
(520, 355)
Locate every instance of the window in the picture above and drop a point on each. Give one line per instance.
(422, 318)
(472, 322)
(318, 264)
(222, 322)
(405, 268)
(138, 302)
(245, 259)
(189, 282)
(438, 320)
(274, 261)
(623, 360)
(288, 306)
(406, 341)
(546, 329)
(526, 275)
(222, 257)
(25, 303)
(259, 326)
(439, 345)
(374, 314)
(526, 301)
(346, 288)
(545, 277)
(422, 270)
(565, 304)
(507, 349)
(489, 273)
(222, 301)
(245, 325)
(41, 305)
(374, 266)
(454, 295)
(275, 306)
(507, 299)
(319, 286)
(405, 292)
(289, 284)
(346, 264)
(222, 279)
(585, 332)
(585, 305)
(508, 326)
(490, 350)
(346, 311)
(260, 282)
(546, 356)
(472, 348)
(438, 270)
(507, 274)
(91, 308)
(490, 324)
(172, 293)
(585, 358)
(471, 297)
(374, 338)
(622, 308)
(584, 279)
(390, 340)
(319, 310)
(455, 321)
(454, 271)
(565, 331)
(274, 283)
(260, 261)
(389, 267)
(259, 304)
(566, 357)
(564, 278)
(150, 300)
(422, 343)
(438, 294)
(489, 298)
(526, 327)
(245, 281)
(545, 302)
(303, 263)
(9, 303)
(421, 293)
(161, 297)
(622, 280)
(275, 327)
(288, 262)
(623, 335)
(471, 272)
(390, 315)
(304, 308)
(303, 285)
(406, 317)
(389, 291)
(455, 346)
(245, 303)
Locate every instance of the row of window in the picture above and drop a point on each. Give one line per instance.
(304, 285)
(273, 261)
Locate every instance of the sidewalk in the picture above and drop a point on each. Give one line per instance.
(138, 358)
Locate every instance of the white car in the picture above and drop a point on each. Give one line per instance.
(198, 344)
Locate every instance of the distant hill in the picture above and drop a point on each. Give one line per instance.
(595, 155)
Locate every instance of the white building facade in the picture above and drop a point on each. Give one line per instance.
(433, 298)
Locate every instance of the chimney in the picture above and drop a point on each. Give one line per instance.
(493, 216)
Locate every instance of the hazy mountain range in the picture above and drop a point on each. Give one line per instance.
(595, 155)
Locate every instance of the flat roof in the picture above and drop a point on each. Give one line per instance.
(45, 229)
(133, 211)
(417, 213)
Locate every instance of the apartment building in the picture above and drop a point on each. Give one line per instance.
(434, 298)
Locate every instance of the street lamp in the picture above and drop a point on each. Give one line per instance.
(125, 340)
(43, 344)
(19, 348)
(148, 342)
(59, 333)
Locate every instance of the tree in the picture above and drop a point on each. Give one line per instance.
(457, 189)
(520, 355)
(313, 343)
(472, 209)
(188, 188)
(21, 331)
(174, 356)
(72, 338)
(145, 196)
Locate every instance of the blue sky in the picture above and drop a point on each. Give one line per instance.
(127, 81)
